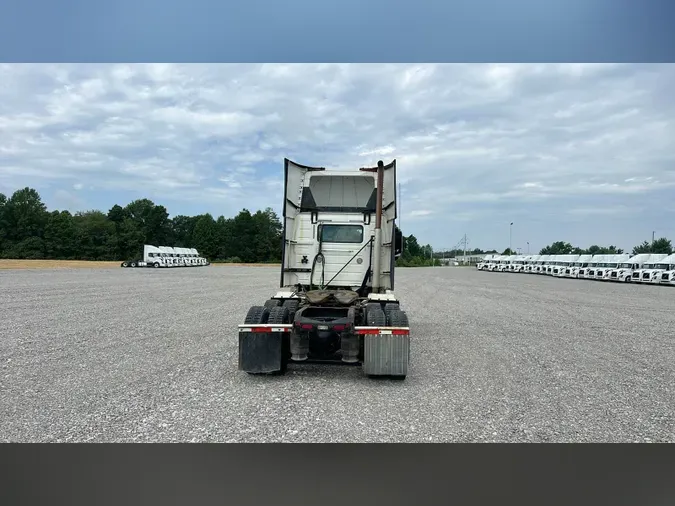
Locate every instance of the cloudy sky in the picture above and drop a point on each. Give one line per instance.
(583, 153)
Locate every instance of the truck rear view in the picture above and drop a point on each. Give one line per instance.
(336, 302)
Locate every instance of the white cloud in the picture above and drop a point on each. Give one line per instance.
(472, 141)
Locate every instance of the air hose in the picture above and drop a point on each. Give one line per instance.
(323, 266)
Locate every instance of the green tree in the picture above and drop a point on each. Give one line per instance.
(60, 237)
(205, 236)
(96, 236)
(3, 226)
(25, 215)
(557, 248)
(182, 230)
(661, 245)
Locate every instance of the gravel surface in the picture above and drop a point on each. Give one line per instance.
(151, 355)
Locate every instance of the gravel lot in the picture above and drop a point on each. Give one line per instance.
(151, 355)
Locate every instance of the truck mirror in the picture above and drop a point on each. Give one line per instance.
(398, 242)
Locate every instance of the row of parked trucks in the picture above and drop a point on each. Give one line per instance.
(166, 256)
(654, 268)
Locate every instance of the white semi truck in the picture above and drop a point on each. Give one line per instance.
(517, 263)
(496, 261)
(530, 263)
(485, 262)
(593, 265)
(505, 263)
(562, 264)
(539, 265)
(577, 266)
(164, 256)
(628, 271)
(547, 268)
(648, 270)
(336, 302)
(666, 273)
(602, 272)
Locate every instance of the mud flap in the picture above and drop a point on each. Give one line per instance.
(261, 349)
(386, 351)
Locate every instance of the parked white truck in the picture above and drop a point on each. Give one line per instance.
(538, 266)
(593, 265)
(648, 270)
(516, 263)
(336, 302)
(666, 273)
(164, 256)
(485, 262)
(505, 263)
(548, 266)
(577, 266)
(530, 263)
(611, 262)
(562, 263)
(628, 270)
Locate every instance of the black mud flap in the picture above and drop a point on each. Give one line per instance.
(261, 348)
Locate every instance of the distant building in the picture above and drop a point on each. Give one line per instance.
(468, 259)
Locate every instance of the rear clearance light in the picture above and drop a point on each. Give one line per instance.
(396, 331)
(265, 329)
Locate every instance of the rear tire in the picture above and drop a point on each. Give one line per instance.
(281, 315)
(389, 307)
(257, 314)
(292, 305)
(270, 303)
(133, 264)
(397, 318)
(375, 317)
(125, 264)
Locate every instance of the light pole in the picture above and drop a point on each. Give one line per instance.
(528, 247)
(510, 235)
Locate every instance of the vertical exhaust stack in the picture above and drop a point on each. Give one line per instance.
(378, 228)
(377, 247)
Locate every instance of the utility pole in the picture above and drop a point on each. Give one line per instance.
(510, 235)
(464, 241)
(528, 247)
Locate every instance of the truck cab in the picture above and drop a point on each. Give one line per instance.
(577, 269)
(494, 263)
(153, 256)
(538, 267)
(505, 262)
(530, 263)
(666, 273)
(547, 268)
(517, 263)
(644, 273)
(593, 265)
(628, 270)
(611, 263)
(562, 265)
(484, 263)
(336, 302)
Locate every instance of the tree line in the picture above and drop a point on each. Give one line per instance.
(28, 230)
